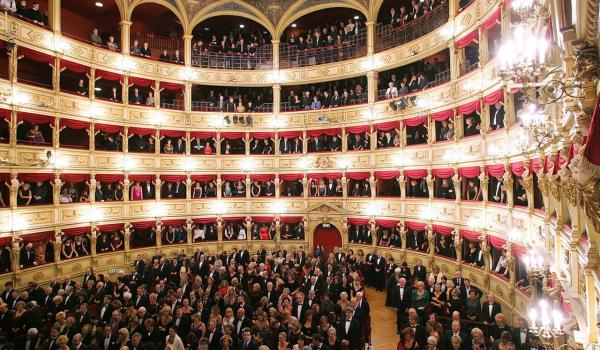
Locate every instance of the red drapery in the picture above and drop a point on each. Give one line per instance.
(416, 174)
(262, 177)
(233, 135)
(141, 82)
(319, 176)
(518, 250)
(387, 126)
(110, 227)
(77, 231)
(415, 226)
(109, 75)
(443, 173)
(4, 177)
(263, 219)
(203, 134)
(358, 221)
(177, 222)
(467, 39)
(38, 236)
(355, 130)
(469, 235)
(291, 219)
(387, 223)
(5, 241)
(497, 242)
(362, 175)
(494, 97)
(291, 177)
(496, 170)
(5, 114)
(35, 55)
(234, 218)
(203, 178)
(110, 178)
(171, 86)
(140, 177)
(492, 20)
(142, 225)
(262, 135)
(173, 178)
(416, 121)
(536, 165)
(35, 118)
(468, 108)
(387, 175)
(74, 67)
(518, 168)
(35, 177)
(233, 177)
(204, 220)
(327, 237)
(592, 147)
(443, 230)
(328, 132)
(172, 133)
(290, 134)
(442, 115)
(74, 178)
(470, 172)
(109, 129)
(74, 124)
(141, 131)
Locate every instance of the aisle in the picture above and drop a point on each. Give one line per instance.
(383, 322)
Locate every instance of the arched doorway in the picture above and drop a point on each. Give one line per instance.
(328, 236)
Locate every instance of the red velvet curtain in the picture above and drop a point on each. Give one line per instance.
(496, 170)
(204, 220)
(35, 177)
(173, 178)
(74, 67)
(203, 134)
(387, 223)
(172, 86)
(497, 242)
(518, 250)
(262, 135)
(468, 108)
(442, 115)
(362, 175)
(262, 177)
(141, 82)
(469, 235)
(143, 225)
(415, 226)
(5, 114)
(234, 218)
(469, 172)
(329, 238)
(140, 177)
(4, 177)
(74, 124)
(77, 231)
(233, 177)
(291, 177)
(387, 126)
(467, 39)
(290, 134)
(536, 165)
(358, 221)
(355, 130)
(203, 178)
(109, 75)
(387, 175)
(110, 178)
(291, 219)
(416, 173)
(592, 146)
(109, 129)
(517, 168)
(110, 227)
(492, 20)
(443, 230)
(178, 222)
(263, 219)
(416, 121)
(36, 237)
(75, 178)
(141, 131)
(494, 97)
(35, 118)
(233, 135)
(328, 132)
(319, 176)
(172, 133)
(35, 55)
(443, 173)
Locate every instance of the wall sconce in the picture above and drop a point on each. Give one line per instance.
(219, 207)
(249, 164)
(373, 209)
(276, 122)
(158, 210)
(189, 164)
(18, 223)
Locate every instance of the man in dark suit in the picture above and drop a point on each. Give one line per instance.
(70, 300)
(105, 310)
(521, 334)
(299, 308)
(77, 342)
(27, 256)
(534, 343)
(241, 322)
(213, 334)
(247, 343)
(148, 191)
(420, 271)
(490, 309)
(458, 280)
(455, 331)
(284, 145)
(467, 287)
(420, 332)
(348, 330)
(136, 97)
(497, 116)
(108, 339)
(27, 341)
(379, 269)
(402, 295)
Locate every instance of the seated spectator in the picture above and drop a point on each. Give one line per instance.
(473, 191)
(41, 193)
(81, 88)
(386, 139)
(287, 145)
(446, 131)
(35, 135)
(392, 91)
(520, 193)
(164, 56)
(177, 58)
(135, 97)
(95, 37)
(474, 255)
(145, 51)
(135, 48)
(111, 44)
(65, 198)
(446, 190)
(27, 256)
(417, 188)
(24, 196)
(315, 104)
(472, 127)
(150, 99)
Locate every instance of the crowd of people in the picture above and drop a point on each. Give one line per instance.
(20, 8)
(405, 14)
(231, 101)
(326, 96)
(37, 193)
(247, 301)
(413, 77)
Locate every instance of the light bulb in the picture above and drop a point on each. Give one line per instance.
(533, 317)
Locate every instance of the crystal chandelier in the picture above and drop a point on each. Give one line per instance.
(544, 322)
(534, 263)
(537, 126)
(523, 56)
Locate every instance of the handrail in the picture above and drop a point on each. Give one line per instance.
(262, 59)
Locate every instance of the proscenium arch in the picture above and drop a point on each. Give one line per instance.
(206, 13)
(291, 15)
(165, 4)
